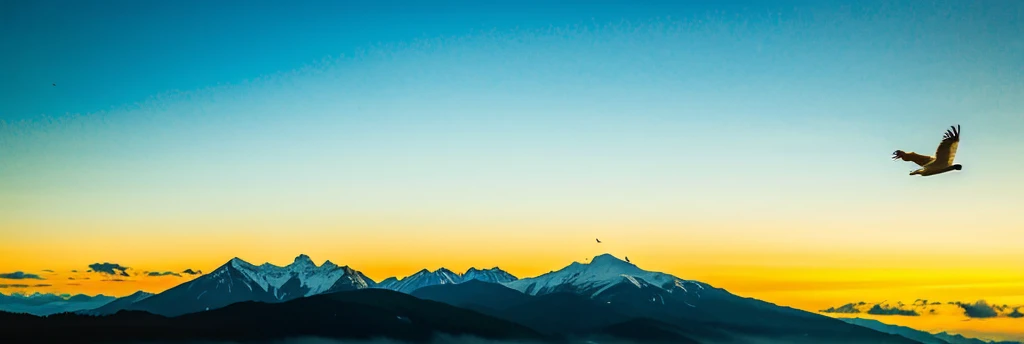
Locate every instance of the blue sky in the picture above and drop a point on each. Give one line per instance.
(228, 114)
(106, 53)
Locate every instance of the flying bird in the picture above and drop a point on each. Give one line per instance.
(598, 241)
(943, 160)
(54, 84)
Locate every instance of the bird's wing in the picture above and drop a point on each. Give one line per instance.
(918, 159)
(947, 148)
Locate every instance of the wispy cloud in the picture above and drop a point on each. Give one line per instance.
(972, 310)
(3, 286)
(48, 270)
(165, 273)
(191, 272)
(877, 308)
(20, 275)
(110, 269)
(889, 310)
(848, 308)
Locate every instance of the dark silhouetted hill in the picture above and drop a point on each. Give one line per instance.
(360, 314)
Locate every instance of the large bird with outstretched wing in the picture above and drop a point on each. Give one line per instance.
(942, 161)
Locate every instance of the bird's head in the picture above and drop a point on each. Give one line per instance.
(957, 167)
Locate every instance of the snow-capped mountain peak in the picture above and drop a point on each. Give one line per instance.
(607, 264)
(303, 261)
(426, 277)
(608, 259)
(601, 273)
(238, 280)
(421, 279)
(474, 270)
(329, 265)
(493, 275)
(272, 278)
(441, 276)
(387, 282)
(238, 263)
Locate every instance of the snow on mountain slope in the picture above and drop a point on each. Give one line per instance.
(603, 272)
(492, 275)
(426, 277)
(351, 280)
(238, 281)
(387, 283)
(271, 278)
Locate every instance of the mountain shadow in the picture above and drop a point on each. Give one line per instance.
(361, 314)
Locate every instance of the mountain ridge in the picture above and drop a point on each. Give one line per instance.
(240, 281)
(612, 294)
(920, 336)
(607, 292)
(42, 304)
(358, 314)
(425, 277)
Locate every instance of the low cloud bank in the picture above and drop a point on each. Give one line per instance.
(980, 309)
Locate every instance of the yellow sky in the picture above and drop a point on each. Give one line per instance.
(819, 268)
(775, 269)
(808, 278)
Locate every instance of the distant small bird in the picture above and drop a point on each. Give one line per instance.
(54, 84)
(598, 241)
(627, 259)
(943, 160)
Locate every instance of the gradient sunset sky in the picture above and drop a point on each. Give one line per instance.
(741, 143)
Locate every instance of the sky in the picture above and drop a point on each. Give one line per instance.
(745, 144)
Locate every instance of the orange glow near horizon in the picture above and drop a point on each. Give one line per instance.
(809, 280)
(804, 278)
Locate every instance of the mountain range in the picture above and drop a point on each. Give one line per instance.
(605, 298)
(239, 281)
(920, 336)
(354, 314)
(45, 304)
(426, 277)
